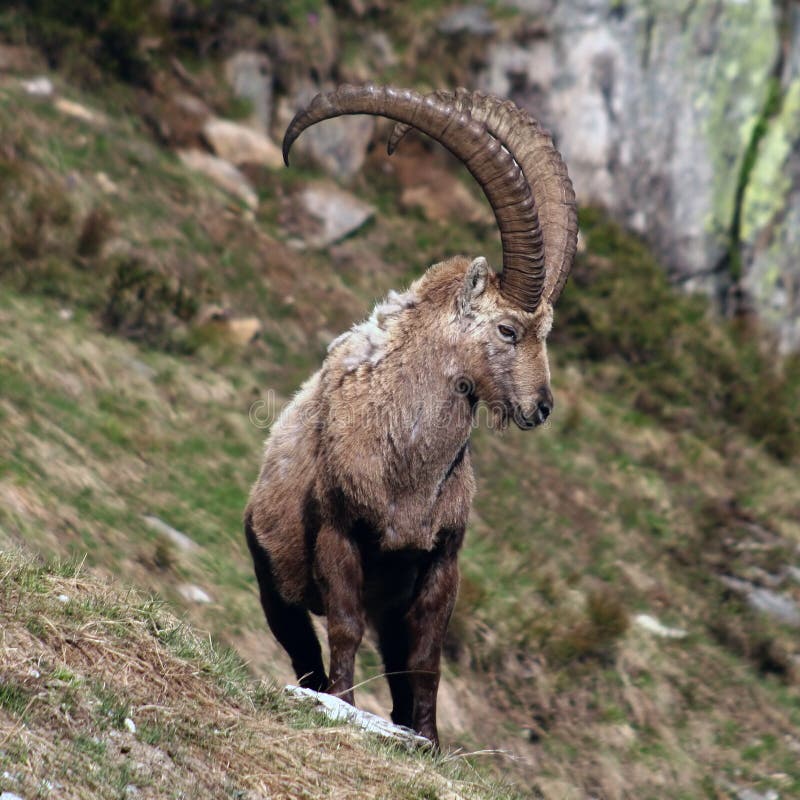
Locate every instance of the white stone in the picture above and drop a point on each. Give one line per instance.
(78, 111)
(194, 594)
(180, 540)
(240, 144)
(63, 598)
(129, 724)
(652, 625)
(249, 74)
(338, 710)
(106, 184)
(751, 794)
(39, 87)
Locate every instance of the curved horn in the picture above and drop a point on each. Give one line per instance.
(544, 169)
(500, 177)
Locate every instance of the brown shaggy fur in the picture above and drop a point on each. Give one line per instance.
(366, 484)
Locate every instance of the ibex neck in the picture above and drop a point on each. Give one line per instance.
(430, 412)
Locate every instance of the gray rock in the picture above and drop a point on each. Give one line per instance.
(241, 145)
(778, 606)
(382, 49)
(221, 172)
(781, 608)
(250, 76)
(654, 106)
(338, 213)
(473, 20)
(180, 540)
(794, 573)
(141, 369)
(10, 796)
(337, 145)
(752, 794)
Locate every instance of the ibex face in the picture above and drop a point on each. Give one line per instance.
(506, 349)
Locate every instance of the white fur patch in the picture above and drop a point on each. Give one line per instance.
(366, 341)
(545, 321)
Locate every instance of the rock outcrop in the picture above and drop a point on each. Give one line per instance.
(682, 119)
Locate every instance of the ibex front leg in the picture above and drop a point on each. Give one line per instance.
(427, 620)
(337, 566)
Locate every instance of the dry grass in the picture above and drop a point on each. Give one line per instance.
(81, 660)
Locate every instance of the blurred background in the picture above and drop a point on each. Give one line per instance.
(628, 619)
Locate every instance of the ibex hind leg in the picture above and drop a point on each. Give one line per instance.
(290, 624)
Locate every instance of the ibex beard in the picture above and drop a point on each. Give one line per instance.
(366, 484)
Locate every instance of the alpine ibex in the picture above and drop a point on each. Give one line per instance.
(366, 484)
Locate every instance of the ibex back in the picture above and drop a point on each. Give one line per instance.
(365, 489)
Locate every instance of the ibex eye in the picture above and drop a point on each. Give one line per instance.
(507, 333)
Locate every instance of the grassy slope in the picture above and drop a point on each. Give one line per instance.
(647, 485)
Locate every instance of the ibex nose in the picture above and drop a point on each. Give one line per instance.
(544, 405)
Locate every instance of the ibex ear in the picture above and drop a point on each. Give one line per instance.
(474, 282)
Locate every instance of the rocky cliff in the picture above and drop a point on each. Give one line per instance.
(683, 119)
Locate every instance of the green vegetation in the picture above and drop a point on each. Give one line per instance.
(77, 33)
(681, 366)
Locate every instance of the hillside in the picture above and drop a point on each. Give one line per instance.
(151, 323)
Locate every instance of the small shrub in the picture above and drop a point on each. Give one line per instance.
(146, 305)
(678, 363)
(164, 557)
(95, 231)
(105, 31)
(593, 636)
(37, 211)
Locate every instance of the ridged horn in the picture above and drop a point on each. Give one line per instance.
(498, 174)
(533, 149)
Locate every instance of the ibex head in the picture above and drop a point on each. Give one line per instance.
(504, 349)
(507, 316)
